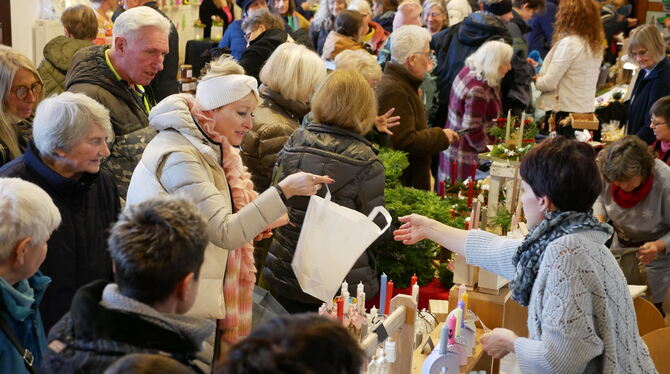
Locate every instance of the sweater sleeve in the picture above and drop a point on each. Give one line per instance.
(405, 136)
(560, 62)
(184, 174)
(599, 206)
(491, 252)
(568, 340)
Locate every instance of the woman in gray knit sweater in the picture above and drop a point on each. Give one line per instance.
(580, 313)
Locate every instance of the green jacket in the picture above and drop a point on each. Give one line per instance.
(58, 55)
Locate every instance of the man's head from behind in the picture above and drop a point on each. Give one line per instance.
(28, 216)
(140, 42)
(157, 247)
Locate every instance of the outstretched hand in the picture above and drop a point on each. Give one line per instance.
(414, 229)
(384, 122)
(499, 342)
(303, 184)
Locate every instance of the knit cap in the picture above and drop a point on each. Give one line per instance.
(218, 91)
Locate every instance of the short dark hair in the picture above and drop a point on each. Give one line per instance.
(661, 108)
(626, 158)
(565, 171)
(298, 344)
(348, 23)
(80, 21)
(154, 245)
(144, 363)
(532, 4)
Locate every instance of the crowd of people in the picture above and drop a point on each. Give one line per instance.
(163, 210)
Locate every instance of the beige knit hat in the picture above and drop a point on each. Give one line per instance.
(218, 91)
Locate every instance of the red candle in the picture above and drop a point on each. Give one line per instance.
(413, 280)
(453, 173)
(474, 171)
(340, 309)
(441, 189)
(389, 295)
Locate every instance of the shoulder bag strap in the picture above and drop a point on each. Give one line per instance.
(25, 353)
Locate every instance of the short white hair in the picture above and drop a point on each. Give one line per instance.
(361, 6)
(61, 121)
(360, 61)
(486, 61)
(408, 40)
(294, 71)
(132, 20)
(26, 211)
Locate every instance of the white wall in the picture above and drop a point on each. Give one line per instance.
(24, 14)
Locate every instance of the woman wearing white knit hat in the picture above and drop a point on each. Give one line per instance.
(194, 155)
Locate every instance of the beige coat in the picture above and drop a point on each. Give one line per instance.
(181, 160)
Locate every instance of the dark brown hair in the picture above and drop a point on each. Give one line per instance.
(565, 171)
(349, 23)
(296, 344)
(532, 4)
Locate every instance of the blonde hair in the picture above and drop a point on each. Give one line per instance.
(345, 100)
(294, 71)
(80, 21)
(225, 65)
(360, 61)
(485, 62)
(648, 37)
(11, 62)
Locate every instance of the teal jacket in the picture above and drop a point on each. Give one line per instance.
(23, 317)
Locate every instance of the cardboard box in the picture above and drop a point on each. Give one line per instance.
(587, 121)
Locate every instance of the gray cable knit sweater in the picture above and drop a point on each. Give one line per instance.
(580, 317)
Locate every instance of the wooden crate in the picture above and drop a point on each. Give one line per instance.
(587, 121)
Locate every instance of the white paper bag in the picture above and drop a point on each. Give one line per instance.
(331, 240)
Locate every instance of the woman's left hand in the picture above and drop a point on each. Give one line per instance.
(650, 250)
(384, 122)
(499, 342)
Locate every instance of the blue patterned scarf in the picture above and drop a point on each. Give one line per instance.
(528, 256)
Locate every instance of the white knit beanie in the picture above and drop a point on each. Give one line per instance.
(218, 91)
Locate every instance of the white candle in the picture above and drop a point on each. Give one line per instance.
(509, 122)
(523, 121)
(415, 293)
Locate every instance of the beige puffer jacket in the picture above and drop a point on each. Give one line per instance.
(182, 160)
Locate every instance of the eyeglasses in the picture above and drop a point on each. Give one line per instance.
(640, 53)
(22, 91)
(428, 54)
(656, 123)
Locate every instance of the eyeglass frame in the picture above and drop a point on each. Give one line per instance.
(641, 53)
(656, 123)
(32, 89)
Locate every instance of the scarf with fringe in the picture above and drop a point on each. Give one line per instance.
(240, 276)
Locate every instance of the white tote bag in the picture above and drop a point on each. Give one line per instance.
(332, 238)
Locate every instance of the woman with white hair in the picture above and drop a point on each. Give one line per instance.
(398, 88)
(70, 136)
(194, 154)
(376, 36)
(474, 104)
(20, 90)
(28, 216)
(324, 21)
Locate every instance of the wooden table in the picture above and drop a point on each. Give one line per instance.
(477, 353)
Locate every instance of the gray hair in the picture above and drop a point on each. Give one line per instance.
(132, 20)
(408, 40)
(650, 38)
(486, 61)
(61, 121)
(360, 61)
(626, 158)
(294, 71)
(26, 211)
(361, 6)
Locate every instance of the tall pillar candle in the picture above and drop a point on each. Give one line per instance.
(382, 293)
(389, 295)
(452, 329)
(340, 309)
(523, 122)
(444, 339)
(507, 126)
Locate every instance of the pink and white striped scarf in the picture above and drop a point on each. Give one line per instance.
(240, 276)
